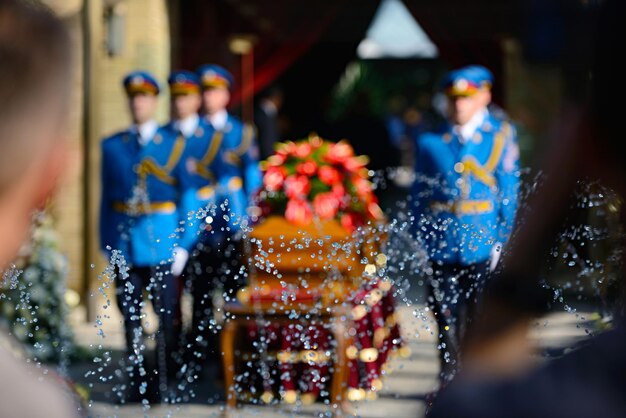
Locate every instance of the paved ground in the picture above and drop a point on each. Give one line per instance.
(403, 395)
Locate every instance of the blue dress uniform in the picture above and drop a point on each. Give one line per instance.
(210, 180)
(139, 214)
(239, 140)
(465, 199)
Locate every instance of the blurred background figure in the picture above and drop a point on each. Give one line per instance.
(266, 115)
(421, 117)
(417, 118)
(394, 121)
(34, 73)
(465, 198)
(367, 133)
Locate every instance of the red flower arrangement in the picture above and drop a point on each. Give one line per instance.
(316, 178)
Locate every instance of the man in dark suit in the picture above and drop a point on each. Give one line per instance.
(266, 120)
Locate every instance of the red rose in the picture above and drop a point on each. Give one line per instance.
(315, 141)
(297, 186)
(276, 160)
(274, 178)
(299, 212)
(363, 172)
(326, 205)
(363, 187)
(287, 148)
(351, 221)
(339, 152)
(355, 164)
(374, 211)
(329, 175)
(307, 168)
(303, 150)
(338, 190)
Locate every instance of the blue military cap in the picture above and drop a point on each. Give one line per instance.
(183, 82)
(467, 80)
(141, 82)
(212, 75)
(480, 74)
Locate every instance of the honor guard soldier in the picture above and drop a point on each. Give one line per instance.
(209, 180)
(139, 215)
(240, 153)
(465, 197)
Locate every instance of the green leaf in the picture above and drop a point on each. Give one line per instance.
(317, 187)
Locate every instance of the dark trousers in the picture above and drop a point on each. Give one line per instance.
(454, 290)
(162, 289)
(210, 268)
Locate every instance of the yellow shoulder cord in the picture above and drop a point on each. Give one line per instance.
(481, 173)
(498, 147)
(177, 152)
(202, 166)
(204, 172)
(214, 147)
(485, 172)
(149, 166)
(246, 140)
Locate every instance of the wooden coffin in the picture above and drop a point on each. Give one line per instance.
(320, 264)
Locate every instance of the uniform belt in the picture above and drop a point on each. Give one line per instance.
(463, 207)
(206, 193)
(144, 208)
(235, 184)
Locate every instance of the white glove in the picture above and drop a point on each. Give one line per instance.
(180, 261)
(494, 257)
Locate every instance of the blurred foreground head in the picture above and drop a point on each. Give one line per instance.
(34, 89)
